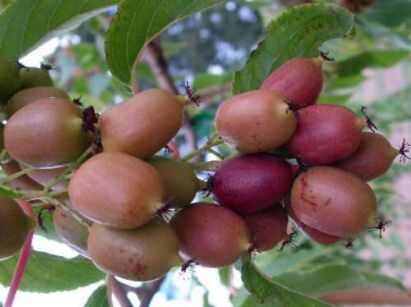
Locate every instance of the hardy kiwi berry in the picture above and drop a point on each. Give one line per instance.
(34, 77)
(10, 80)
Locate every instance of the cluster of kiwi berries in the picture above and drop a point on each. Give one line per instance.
(131, 212)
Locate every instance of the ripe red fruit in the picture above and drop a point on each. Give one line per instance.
(211, 235)
(141, 254)
(256, 121)
(326, 134)
(251, 182)
(267, 227)
(22, 182)
(117, 190)
(143, 124)
(46, 133)
(333, 201)
(373, 157)
(14, 227)
(300, 80)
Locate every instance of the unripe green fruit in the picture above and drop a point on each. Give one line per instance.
(140, 254)
(24, 97)
(34, 77)
(143, 124)
(70, 230)
(10, 80)
(256, 121)
(180, 181)
(14, 227)
(22, 182)
(46, 133)
(117, 190)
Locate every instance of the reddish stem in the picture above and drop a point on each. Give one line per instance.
(19, 270)
(26, 207)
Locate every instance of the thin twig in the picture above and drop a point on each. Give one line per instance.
(118, 290)
(147, 292)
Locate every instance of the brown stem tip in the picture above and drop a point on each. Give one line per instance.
(191, 93)
(370, 124)
(326, 57)
(404, 151)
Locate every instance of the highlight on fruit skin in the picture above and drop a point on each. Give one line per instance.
(333, 201)
(143, 124)
(300, 80)
(55, 124)
(14, 227)
(252, 182)
(211, 235)
(117, 190)
(139, 254)
(326, 134)
(255, 121)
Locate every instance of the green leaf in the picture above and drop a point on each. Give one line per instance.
(370, 59)
(270, 292)
(333, 99)
(48, 273)
(25, 24)
(98, 298)
(208, 80)
(345, 82)
(4, 191)
(390, 13)
(298, 32)
(137, 22)
(322, 279)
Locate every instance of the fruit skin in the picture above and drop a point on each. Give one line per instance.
(256, 121)
(25, 96)
(267, 227)
(44, 175)
(372, 159)
(46, 133)
(71, 231)
(211, 235)
(10, 80)
(326, 134)
(180, 181)
(140, 254)
(300, 80)
(22, 182)
(34, 77)
(117, 190)
(143, 124)
(14, 227)
(252, 182)
(333, 201)
(356, 6)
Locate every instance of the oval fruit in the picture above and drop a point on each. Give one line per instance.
(180, 181)
(267, 227)
(333, 201)
(34, 77)
(140, 254)
(256, 121)
(252, 182)
(23, 182)
(143, 124)
(372, 159)
(70, 230)
(10, 80)
(326, 134)
(300, 80)
(14, 227)
(117, 190)
(211, 235)
(25, 96)
(46, 133)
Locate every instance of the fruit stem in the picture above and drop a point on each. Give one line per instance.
(370, 124)
(73, 213)
(205, 166)
(20, 268)
(214, 140)
(116, 288)
(19, 173)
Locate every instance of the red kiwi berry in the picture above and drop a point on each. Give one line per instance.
(211, 235)
(10, 81)
(14, 227)
(45, 175)
(252, 182)
(373, 157)
(139, 254)
(333, 201)
(326, 134)
(70, 230)
(34, 76)
(300, 80)
(180, 181)
(267, 227)
(23, 182)
(26, 96)
(46, 133)
(256, 121)
(117, 190)
(143, 124)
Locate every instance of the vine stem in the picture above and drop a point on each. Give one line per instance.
(118, 290)
(19, 174)
(213, 141)
(206, 166)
